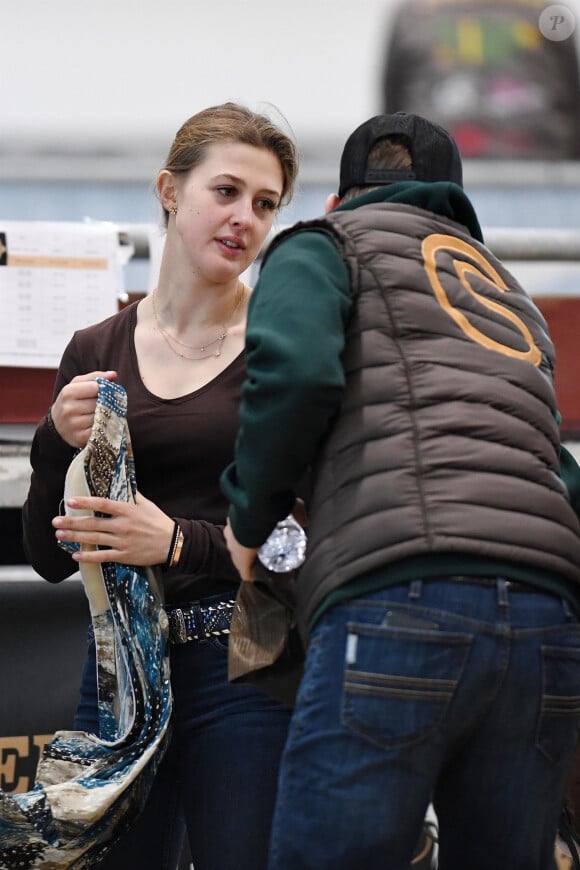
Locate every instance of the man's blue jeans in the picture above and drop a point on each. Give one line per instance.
(464, 695)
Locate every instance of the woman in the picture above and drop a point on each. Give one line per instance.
(179, 354)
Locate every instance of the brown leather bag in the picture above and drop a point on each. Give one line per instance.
(265, 648)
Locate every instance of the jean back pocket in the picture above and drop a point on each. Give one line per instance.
(399, 682)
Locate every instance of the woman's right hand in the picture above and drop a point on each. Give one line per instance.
(73, 410)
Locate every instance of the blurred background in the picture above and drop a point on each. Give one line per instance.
(92, 94)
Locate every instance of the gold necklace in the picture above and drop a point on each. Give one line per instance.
(219, 340)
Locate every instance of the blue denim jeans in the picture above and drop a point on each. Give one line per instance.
(462, 694)
(218, 778)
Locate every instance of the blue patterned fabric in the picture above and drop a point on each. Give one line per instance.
(88, 789)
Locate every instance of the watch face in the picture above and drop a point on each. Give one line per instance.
(285, 549)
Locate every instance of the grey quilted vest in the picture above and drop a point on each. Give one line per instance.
(446, 441)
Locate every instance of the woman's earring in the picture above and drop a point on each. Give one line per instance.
(173, 209)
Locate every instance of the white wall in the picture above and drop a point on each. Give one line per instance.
(120, 76)
(126, 73)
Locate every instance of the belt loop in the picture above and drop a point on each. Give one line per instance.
(198, 620)
(502, 592)
(567, 609)
(177, 619)
(416, 588)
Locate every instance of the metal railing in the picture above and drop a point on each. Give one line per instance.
(507, 243)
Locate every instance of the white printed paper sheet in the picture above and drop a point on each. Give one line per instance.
(55, 278)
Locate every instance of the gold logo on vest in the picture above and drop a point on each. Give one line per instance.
(475, 265)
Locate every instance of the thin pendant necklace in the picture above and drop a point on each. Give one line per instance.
(218, 340)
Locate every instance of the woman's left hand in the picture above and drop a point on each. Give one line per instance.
(133, 533)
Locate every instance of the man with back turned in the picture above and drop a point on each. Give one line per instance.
(392, 354)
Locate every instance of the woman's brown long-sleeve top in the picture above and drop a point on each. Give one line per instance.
(181, 447)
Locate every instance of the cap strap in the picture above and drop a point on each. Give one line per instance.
(373, 176)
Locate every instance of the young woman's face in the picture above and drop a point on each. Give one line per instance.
(226, 206)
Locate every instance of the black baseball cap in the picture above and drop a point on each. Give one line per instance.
(434, 153)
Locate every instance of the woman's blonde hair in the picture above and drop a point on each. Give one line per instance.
(231, 122)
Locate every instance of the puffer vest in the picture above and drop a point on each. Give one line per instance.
(446, 441)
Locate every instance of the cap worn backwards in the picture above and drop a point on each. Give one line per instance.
(434, 153)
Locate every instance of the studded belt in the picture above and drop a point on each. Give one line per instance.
(197, 621)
